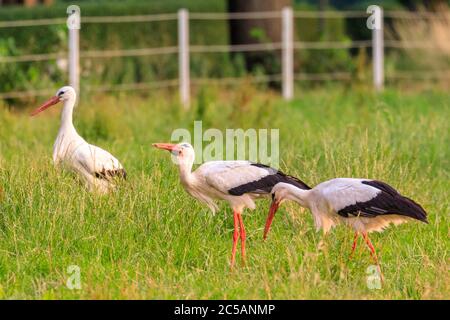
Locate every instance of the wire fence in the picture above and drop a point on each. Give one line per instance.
(223, 16)
(184, 49)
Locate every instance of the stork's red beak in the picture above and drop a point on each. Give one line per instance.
(273, 209)
(47, 104)
(165, 146)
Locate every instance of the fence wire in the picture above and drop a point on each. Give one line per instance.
(135, 86)
(26, 94)
(224, 16)
(299, 45)
(420, 75)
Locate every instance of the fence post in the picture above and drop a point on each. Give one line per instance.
(287, 59)
(378, 50)
(74, 64)
(183, 56)
(74, 25)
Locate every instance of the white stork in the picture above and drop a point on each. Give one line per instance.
(364, 205)
(97, 167)
(237, 182)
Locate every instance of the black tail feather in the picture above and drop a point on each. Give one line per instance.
(391, 202)
(415, 210)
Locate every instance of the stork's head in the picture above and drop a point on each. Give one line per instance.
(184, 152)
(63, 94)
(66, 93)
(285, 191)
(280, 192)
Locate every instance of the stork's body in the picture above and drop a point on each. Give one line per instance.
(239, 183)
(95, 166)
(364, 205)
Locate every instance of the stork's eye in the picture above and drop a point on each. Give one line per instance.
(60, 94)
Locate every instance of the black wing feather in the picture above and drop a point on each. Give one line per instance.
(108, 174)
(388, 201)
(265, 184)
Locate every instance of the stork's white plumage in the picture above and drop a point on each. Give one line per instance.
(237, 182)
(97, 167)
(364, 205)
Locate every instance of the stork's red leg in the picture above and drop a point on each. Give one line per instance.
(243, 236)
(235, 237)
(273, 209)
(355, 241)
(371, 247)
(373, 253)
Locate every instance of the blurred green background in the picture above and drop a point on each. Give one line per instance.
(23, 76)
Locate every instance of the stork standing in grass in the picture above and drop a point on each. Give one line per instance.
(237, 182)
(97, 167)
(362, 204)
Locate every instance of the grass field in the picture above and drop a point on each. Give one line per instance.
(149, 239)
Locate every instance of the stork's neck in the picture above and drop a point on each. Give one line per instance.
(66, 116)
(301, 196)
(186, 176)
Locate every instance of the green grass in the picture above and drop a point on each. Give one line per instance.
(149, 239)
